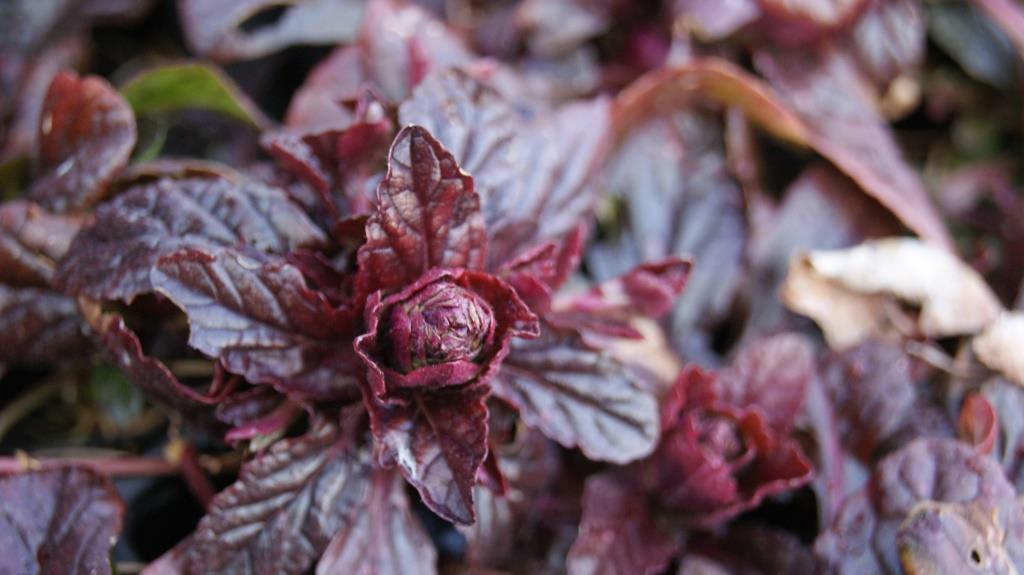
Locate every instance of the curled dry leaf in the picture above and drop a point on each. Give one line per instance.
(999, 346)
(63, 520)
(849, 293)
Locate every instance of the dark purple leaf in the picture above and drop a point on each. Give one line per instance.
(112, 258)
(86, 134)
(32, 240)
(580, 396)
(400, 43)
(438, 440)
(671, 174)
(915, 507)
(772, 376)
(889, 39)
(833, 98)
(281, 513)
(38, 325)
(449, 328)
(63, 520)
(555, 27)
(618, 534)
(122, 347)
(338, 78)
(872, 389)
(217, 28)
(532, 189)
(427, 216)
(382, 537)
(262, 321)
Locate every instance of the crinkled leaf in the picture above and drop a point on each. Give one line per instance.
(427, 215)
(926, 476)
(795, 21)
(86, 135)
(400, 43)
(261, 320)
(123, 348)
(832, 97)
(193, 86)
(32, 240)
(953, 299)
(112, 257)
(771, 375)
(219, 28)
(38, 325)
(998, 346)
(535, 177)
(974, 41)
(438, 440)
(554, 27)
(618, 533)
(580, 396)
(383, 537)
(63, 520)
(283, 510)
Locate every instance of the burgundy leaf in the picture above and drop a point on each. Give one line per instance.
(914, 481)
(400, 43)
(261, 320)
(770, 375)
(383, 537)
(38, 325)
(1009, 16)
(217, 28)
(122, 347)
(31, 242)
(580, 396)
(338, 78)
(715, 20)
(648, 290)
(491, 538)
(531, 188)
(618, 533)
(112, 258)
(63, 520)
(1008, 400)
(427, 216)
(281, 513)
(826, 90)
(86, 134)
(438, 440)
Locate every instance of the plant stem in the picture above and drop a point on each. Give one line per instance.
(28, 402)
(122, 466)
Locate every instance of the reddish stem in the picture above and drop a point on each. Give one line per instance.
(123, 466)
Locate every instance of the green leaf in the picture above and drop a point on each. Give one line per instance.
(190, 86)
